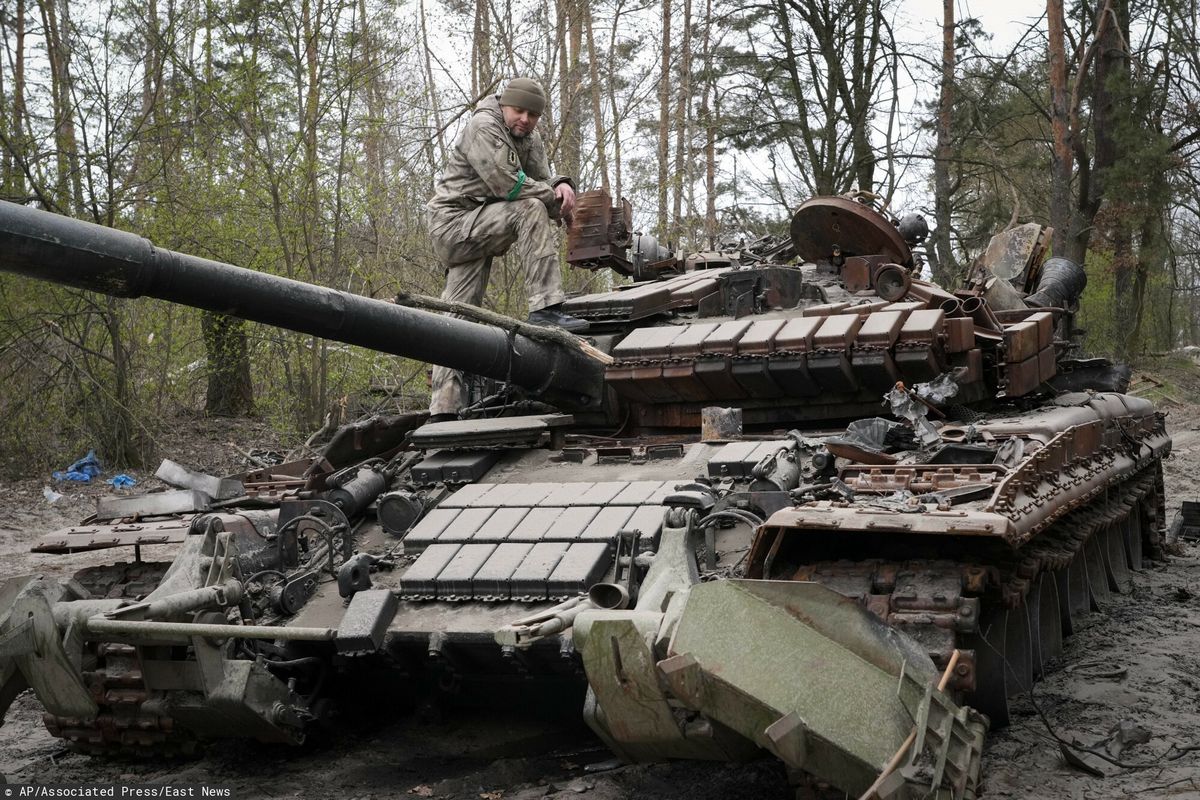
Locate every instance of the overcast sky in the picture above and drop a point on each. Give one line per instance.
(1006, 20)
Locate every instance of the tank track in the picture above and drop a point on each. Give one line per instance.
(1013, 612)
(113, 675)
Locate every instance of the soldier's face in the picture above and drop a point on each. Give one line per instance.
(521, 121)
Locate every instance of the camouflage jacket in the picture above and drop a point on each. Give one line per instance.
(489, 164)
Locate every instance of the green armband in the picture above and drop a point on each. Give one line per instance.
(516, 190)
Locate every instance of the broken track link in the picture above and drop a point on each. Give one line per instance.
(131, 580)
(112, 672)
(1085, 557)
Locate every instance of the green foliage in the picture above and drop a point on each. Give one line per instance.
(1096, 316)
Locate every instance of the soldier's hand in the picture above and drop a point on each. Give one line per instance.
(566, 197)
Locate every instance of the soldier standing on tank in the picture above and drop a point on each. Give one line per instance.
(497, 191)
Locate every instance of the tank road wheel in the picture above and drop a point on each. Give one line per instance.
(990, 696)
(1018, 651)
(1079, 597)
(1093, 556)
(1132, 528)
(1120, 579)
(1044, 607)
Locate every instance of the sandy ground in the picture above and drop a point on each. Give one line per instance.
(1128, 686)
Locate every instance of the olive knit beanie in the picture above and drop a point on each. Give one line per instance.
(524, 93)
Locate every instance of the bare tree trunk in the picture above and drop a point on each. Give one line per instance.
(318, 348)
(682, 123)
(612, 99)
(123, 445)
(1060, 154)
(229, 390)
(710, 135)
(1117, 209)
(373, 136)
(12, 180)
(481, 51)
(18, 147)
(431, 87)
(66, 163)
(946, 267)
(570, 71)
(664, 121)
(597, 113)
(5, 152)
(144, 144)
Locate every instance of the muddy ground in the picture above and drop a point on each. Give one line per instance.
(1131, 675)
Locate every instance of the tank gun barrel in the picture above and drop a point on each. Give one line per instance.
(83, 255)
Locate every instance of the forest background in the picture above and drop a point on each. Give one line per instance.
(302, 138)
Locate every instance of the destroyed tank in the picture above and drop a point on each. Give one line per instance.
(786, 496)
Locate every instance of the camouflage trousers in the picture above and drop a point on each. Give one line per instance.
(466, 243)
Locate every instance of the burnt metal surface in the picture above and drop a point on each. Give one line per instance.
(825, 227)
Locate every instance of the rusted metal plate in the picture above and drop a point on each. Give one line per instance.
(832, 371)
(822, 520)
(1021, 341)
(647, 343)
(724, 339)
(1047, 364)
(759, 338)
(923, 326)
(823, 227)
(680, 376)
(791, 374)
(692, 293)
(1024, 377)
(880, 329)
(825, 310)
(688, 343)
(754, 376)
(920, 479)
(837, 332)
(960, 334)
(1045, 327)
(716, 376)
(100, 537)
(874, 369)
(797, 334)
(1009, 253)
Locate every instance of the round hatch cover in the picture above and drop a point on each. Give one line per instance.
(825, 225)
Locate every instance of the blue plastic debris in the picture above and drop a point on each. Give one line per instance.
(82, 470)
(121, 481)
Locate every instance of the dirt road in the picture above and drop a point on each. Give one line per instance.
(1128, 686)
